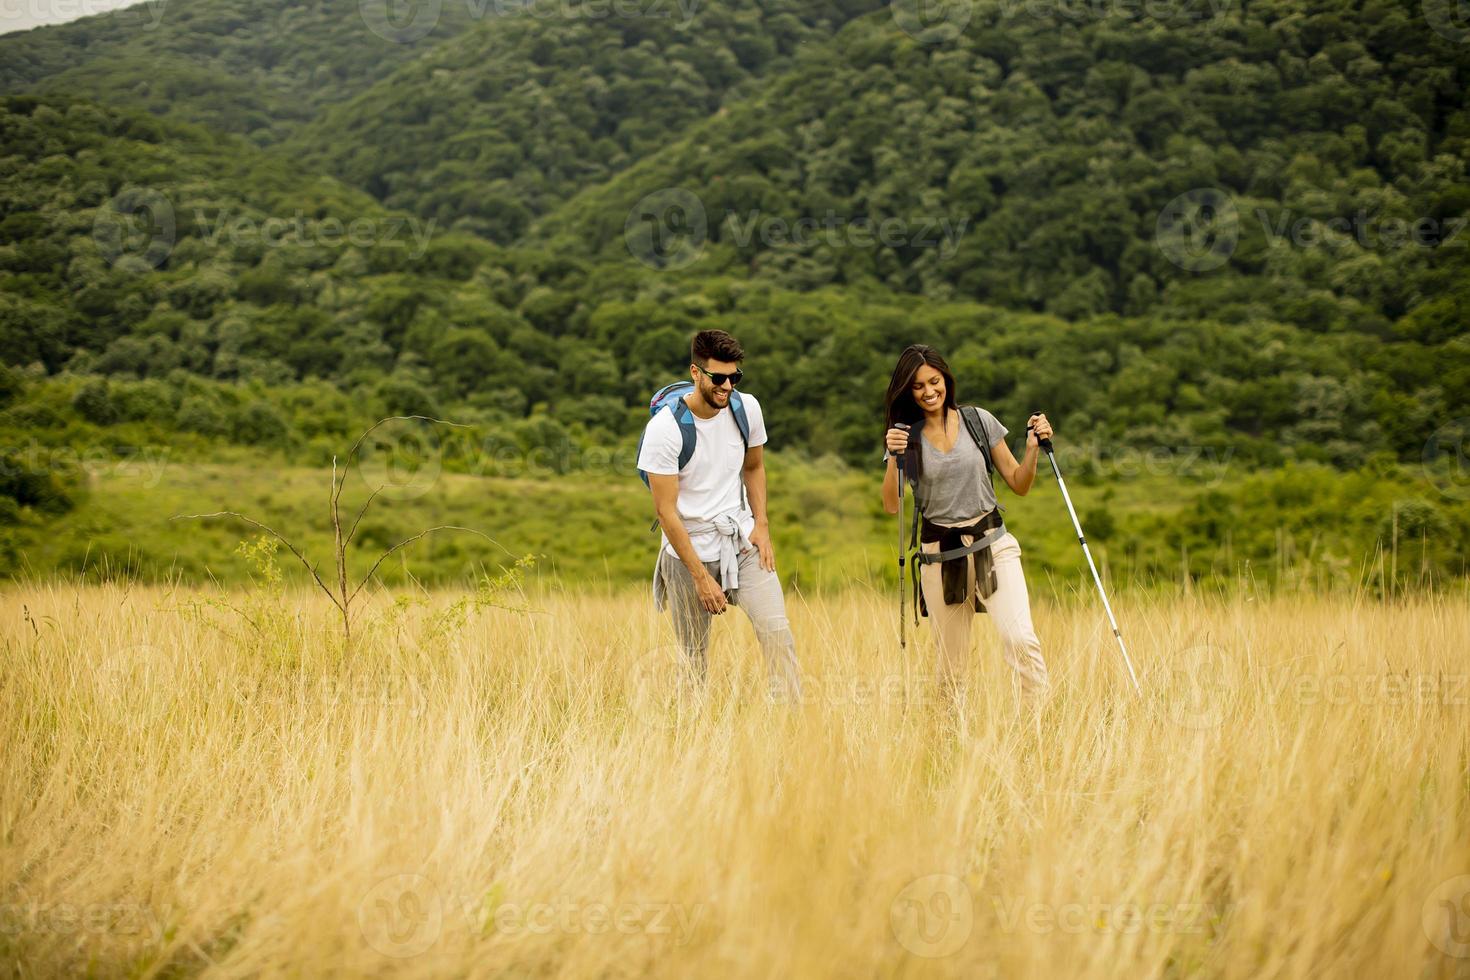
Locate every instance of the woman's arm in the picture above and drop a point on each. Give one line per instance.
(1020, 476)
(897, 441)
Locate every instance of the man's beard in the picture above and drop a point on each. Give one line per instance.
(709, 396)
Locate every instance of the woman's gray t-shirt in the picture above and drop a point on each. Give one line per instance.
(954, 488)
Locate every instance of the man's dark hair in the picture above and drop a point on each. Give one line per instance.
(717, 344)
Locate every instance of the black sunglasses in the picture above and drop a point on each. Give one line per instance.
(718, 380)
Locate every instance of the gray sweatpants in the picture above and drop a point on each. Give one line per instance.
(759, 594)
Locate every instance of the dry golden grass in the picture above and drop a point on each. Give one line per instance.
(190, 789)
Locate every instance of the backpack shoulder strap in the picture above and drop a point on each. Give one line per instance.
(684, 417)
(976, 424)
(742, 420)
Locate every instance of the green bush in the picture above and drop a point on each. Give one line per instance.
(93, 402)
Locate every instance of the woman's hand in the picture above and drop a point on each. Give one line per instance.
(897, 440)
(1037, 429)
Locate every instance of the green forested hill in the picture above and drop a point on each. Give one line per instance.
(259, 68)
(495, 127)
(1333, 140)
(1237, 238)
(133, 248)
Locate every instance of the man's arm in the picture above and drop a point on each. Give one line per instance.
(666, 504)
(755, 493)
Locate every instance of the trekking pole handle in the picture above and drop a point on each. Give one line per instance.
(1045, 444)
(899, 456)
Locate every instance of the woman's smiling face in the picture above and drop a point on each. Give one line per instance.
(928, 389)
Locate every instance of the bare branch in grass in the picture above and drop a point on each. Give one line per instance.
(442, 527)
(352, 533)
(278, 535)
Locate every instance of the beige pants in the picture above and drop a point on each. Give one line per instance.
(1008, 607)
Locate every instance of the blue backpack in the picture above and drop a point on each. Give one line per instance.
(672, 398)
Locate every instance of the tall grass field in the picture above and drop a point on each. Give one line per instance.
(521, 783)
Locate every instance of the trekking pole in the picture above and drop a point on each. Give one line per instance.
(1046, 447)
(902, 622)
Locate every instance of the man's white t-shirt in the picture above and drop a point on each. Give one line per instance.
(710, 484)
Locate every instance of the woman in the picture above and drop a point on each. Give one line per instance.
(944, 464)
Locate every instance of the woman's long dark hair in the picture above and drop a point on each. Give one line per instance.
(899, 405)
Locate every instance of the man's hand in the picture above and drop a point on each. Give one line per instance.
(711, 596)
(761, 538)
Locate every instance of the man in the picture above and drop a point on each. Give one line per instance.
(716, 548)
